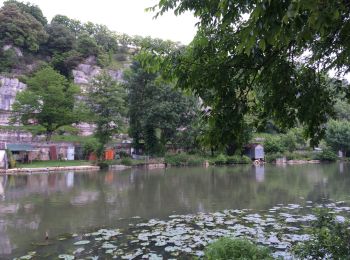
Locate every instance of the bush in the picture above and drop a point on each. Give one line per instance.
(289, 142)
(90, 146)
(10, 159)
(183, 159)
(103, 165)
(126, 161)
(195, 160)
(273, 156)
(273, 144)
(226, 248)
(236, 159)
(123, 154)
(220, 159)
(326, 155)
(330, 239)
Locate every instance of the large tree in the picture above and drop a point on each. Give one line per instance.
(48, 101)
(263, 58)
(20, 28)
(338, 135)
(106, 100)
(157, 111)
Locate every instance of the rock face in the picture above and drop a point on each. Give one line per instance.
(85, 72)
(9, 87)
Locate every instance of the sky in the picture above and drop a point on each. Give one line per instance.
(123, 16)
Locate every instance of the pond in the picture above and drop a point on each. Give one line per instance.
(39, 205)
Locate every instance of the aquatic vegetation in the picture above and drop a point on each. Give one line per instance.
(184, 236)
(226, 248)
(330, 238)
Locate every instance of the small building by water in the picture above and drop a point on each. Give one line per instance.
(3, 156)
(254, 151)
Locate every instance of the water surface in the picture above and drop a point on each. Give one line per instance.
(69, 202)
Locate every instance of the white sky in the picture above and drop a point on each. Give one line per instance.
(123, 16)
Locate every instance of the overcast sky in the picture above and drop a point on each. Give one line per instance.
(124, 16)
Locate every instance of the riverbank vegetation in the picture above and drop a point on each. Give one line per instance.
(44, 164)
(167, 97)
(226, 248)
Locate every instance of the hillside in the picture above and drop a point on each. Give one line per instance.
(76, 50)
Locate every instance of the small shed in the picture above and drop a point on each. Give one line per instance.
(70, 153)
(3, 156)
(254, 151)
(109, 154)
(21, 151)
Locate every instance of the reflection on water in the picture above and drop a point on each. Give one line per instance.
(58, 203)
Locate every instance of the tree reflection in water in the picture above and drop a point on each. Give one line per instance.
(73, 202)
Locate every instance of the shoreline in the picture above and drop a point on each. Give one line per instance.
(120, 167)
(17, 171)
(44, 170)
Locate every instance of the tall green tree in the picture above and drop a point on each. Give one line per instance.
(20, 28)
(31, 9)
(338, 135)
(48, 101)
(252, 56)
(106, 100)
(157, 111)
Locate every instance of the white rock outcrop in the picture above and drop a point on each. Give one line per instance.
(9, 87)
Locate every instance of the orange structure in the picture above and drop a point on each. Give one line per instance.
(109, 154)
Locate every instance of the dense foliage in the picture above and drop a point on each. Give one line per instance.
(330, 239)
(105, 98)
(338, 135)
(20, 28)
(227, 248)
(49, 101)
(253, 57)
(157, 111)
(253, 66)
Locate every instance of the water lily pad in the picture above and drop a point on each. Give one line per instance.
(66, 257)
(81, 242)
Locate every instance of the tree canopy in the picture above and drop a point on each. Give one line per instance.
(49, 101)
(20, 28)
(266, 59)
(106, 100)
(157, 111)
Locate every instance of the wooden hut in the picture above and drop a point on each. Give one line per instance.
(3, 156)
(21, 152)
(255, 151)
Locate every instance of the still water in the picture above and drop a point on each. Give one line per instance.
(69, 202)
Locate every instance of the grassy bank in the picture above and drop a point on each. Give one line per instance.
(44, 164)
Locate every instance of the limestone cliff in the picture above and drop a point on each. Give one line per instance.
(82, 76)
(9, 87)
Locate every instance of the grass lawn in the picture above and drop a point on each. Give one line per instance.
(43, 164)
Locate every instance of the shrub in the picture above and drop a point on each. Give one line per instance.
(246, 160)
(103, 165)
(182, 159)
(89, 146)
(273, 144)
(236, 159)
(330, 239)
(326, 155)
(289, 142)
(123, 154)
(220, 159)
(226, 248)
(272, 157)
(10, 159)
(126, 161)
(195, 160)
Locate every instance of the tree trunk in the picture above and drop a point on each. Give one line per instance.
(231, 149)
(48, 136)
